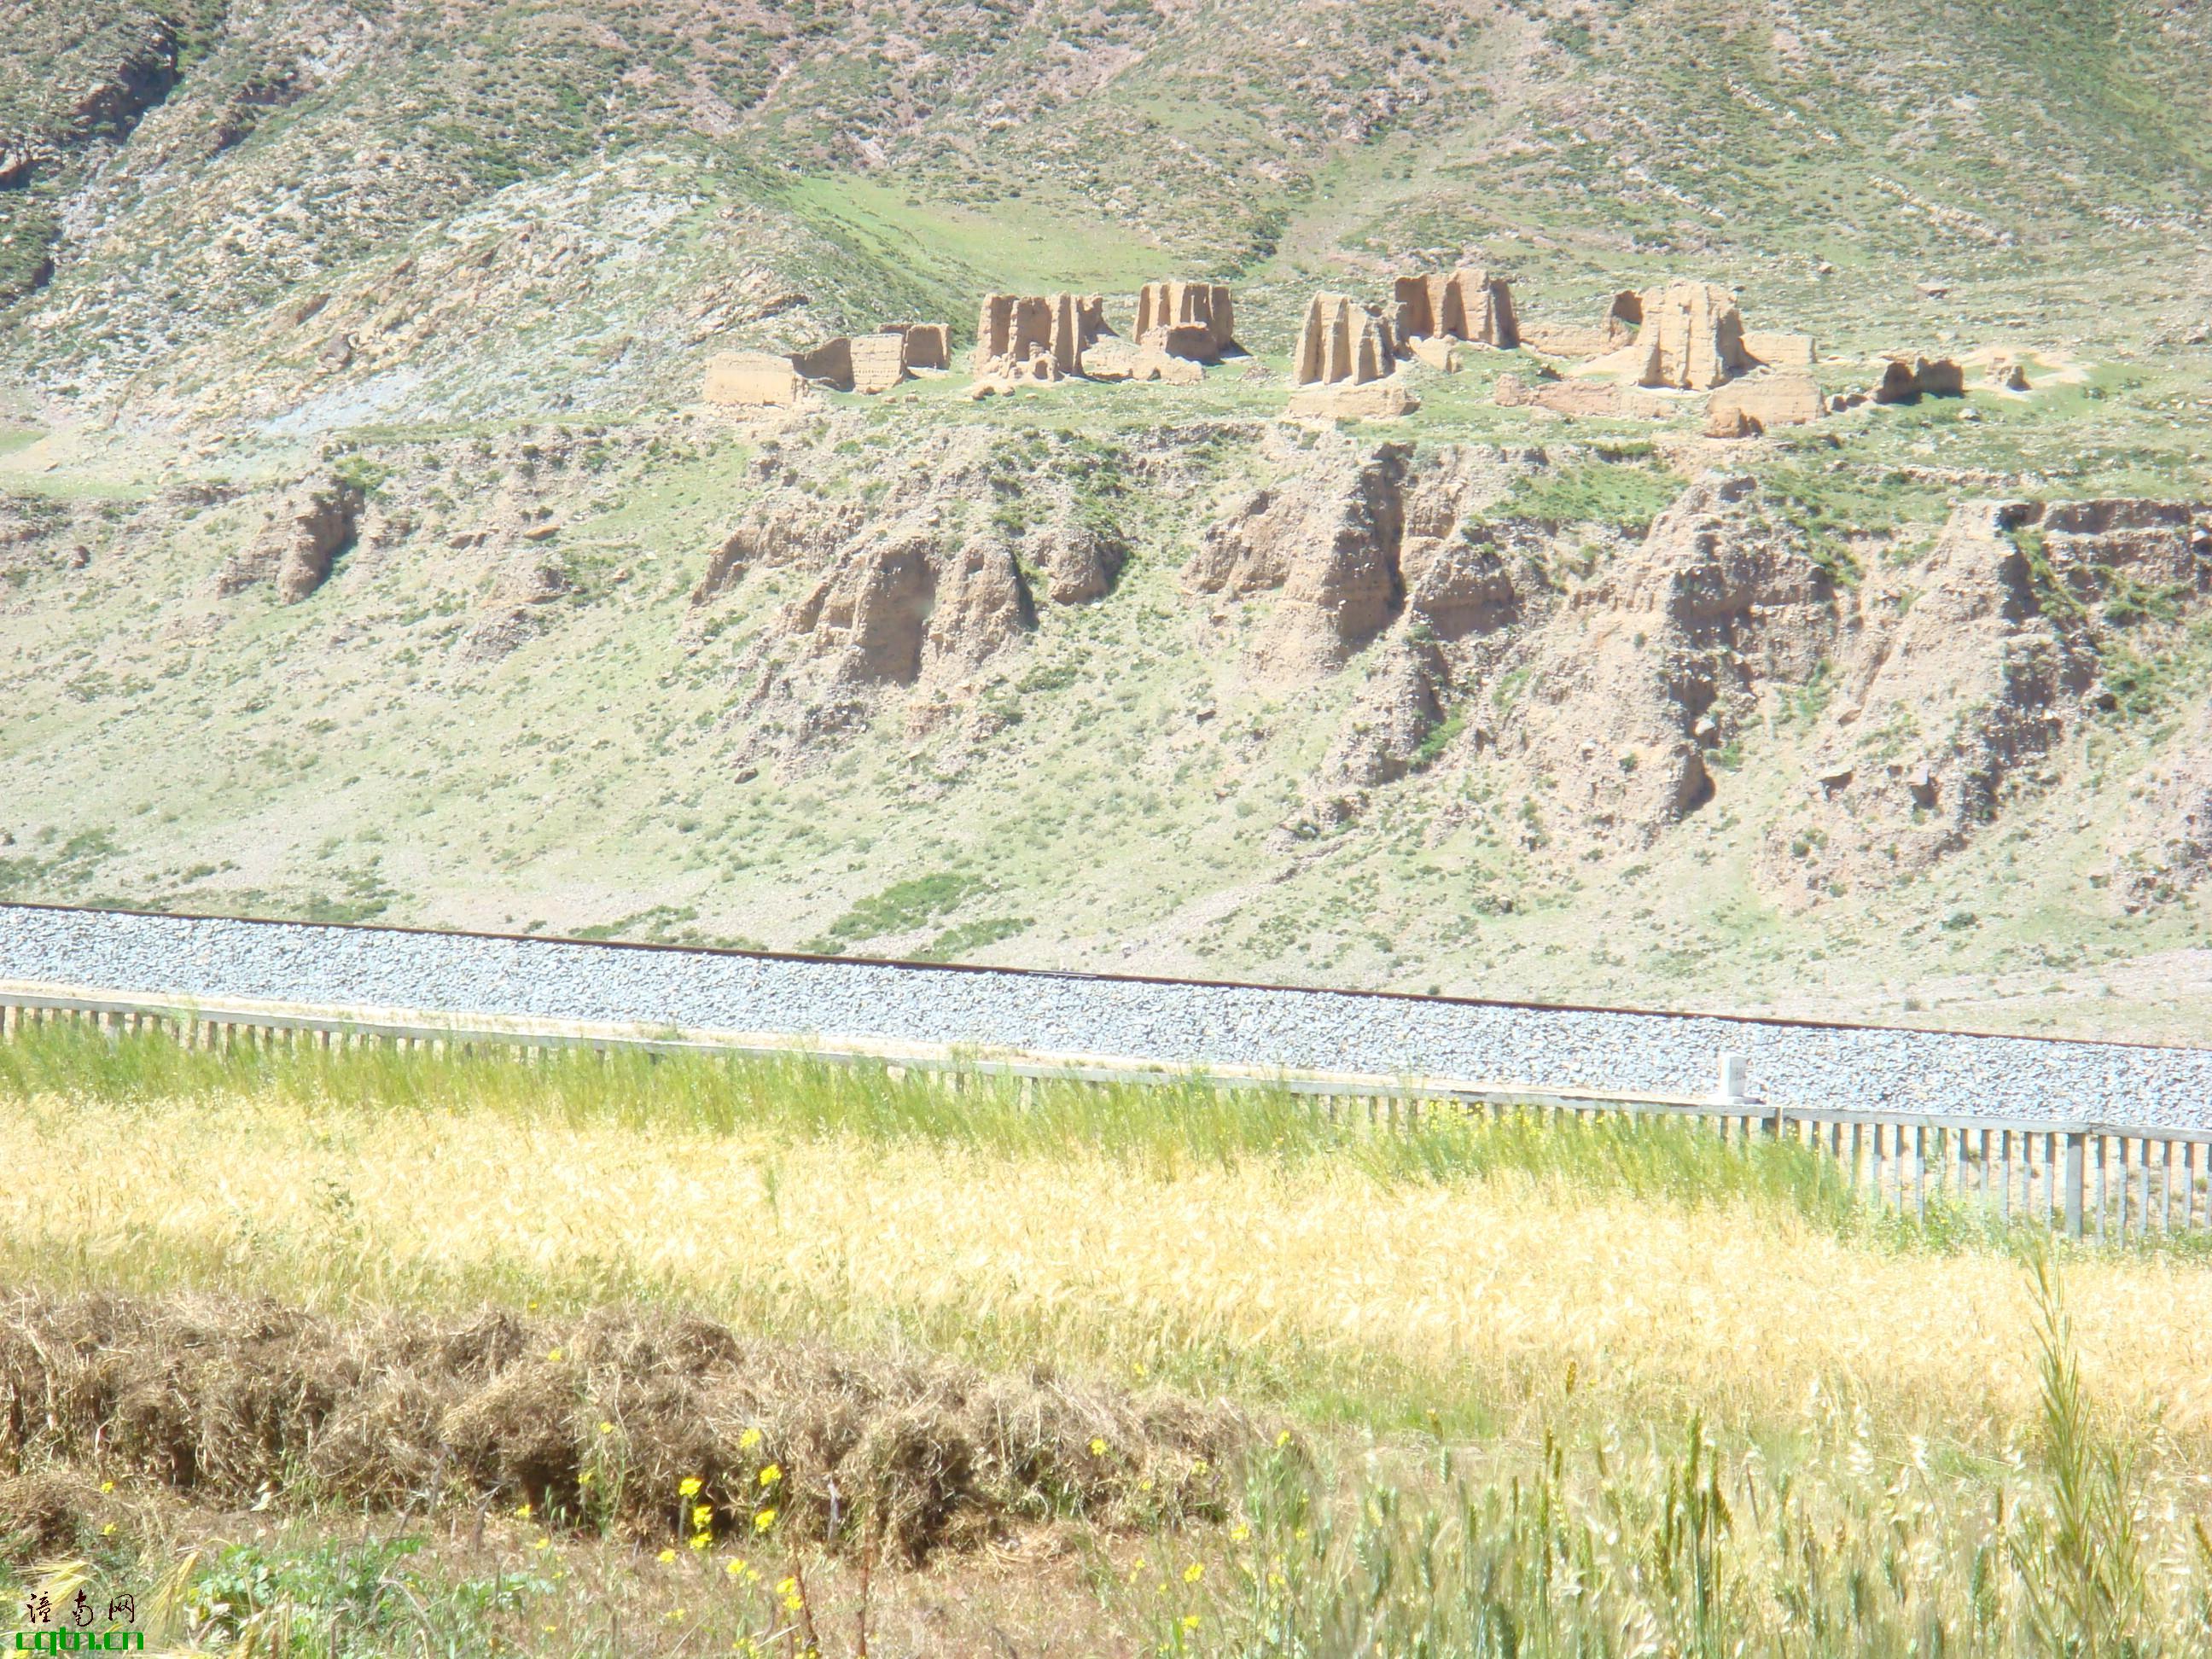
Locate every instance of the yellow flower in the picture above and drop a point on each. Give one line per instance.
(763, 1520)
(1193, 1572)
(543, 1544)
(1190, 1621)
(1200, 1466)
(701, 1515)
(1239, 1532)
(108, 1531)
(107, 1485)
(771, 1474)
(700, 1541)
(1282, 1439)
(793, 1604)
(586, 1478)
(522, 1511)
(666, 1556)
(689, 1488)
(787, 1586)
(749, 1439)
(606, 1428)
(734, 1565)
(554, 1358)
(1098, 1447)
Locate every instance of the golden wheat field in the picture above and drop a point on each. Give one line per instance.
(1474, 1294)
(1269, 1319)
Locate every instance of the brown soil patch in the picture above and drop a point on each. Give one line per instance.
(602, 1418)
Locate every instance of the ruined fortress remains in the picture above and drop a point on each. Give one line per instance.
(1682, 336)
(1458, 305)
(752, 379)
(1651, 345)
(1195, 321)
(865, 362)
(1344, 363)
(1342, 340)
(1033, 337)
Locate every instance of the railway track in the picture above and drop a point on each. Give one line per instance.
(2045, 1121)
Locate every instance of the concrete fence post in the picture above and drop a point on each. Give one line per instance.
(2077, 1147)
(1735, 1072)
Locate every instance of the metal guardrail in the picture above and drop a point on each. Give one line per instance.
(2106, 1180)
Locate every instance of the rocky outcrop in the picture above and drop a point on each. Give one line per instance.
(1329, 542)
(1196, 320)
(1950, 710)
(1396, 711)
(1628, 690)
(1080, 558)
(1460, 305)
(902, 607)
(1014, 332)
(2162, 846)
(516, 612)
(298, 543)
(1342, 340)
(775, 541)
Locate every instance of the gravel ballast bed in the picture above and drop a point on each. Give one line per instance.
(1049, 1014)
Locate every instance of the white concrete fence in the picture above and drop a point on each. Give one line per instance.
(2102, 1180)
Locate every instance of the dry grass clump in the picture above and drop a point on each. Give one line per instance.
(41, 1515)
(652, 1424)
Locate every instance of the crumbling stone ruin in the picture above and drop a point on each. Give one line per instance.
(1342, 340)
(1686, 336)
(878, 362)
(1589, 397)
(1017, 333)
(874, 363)
(866, 363)
(1345, 363)
(1745, 409)
(1779, 350)
(1460, 305)
(300, 542)
(756, 379)
(1692, 337)
(1192, 321)
(1908, 379)
(1624, 315)
(926, 345)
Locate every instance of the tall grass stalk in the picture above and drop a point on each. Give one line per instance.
(1635, 1546)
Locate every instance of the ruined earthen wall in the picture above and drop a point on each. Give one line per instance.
(1342, 340)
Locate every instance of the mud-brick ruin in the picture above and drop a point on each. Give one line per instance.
(1196, 321)
(1650, 348)
(1030, 336)
(863, 363)
(1458, 305)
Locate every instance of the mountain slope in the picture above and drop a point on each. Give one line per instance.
(365, 554)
